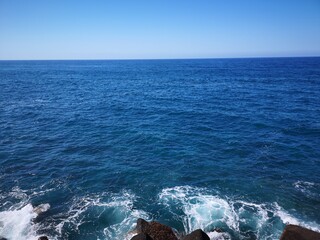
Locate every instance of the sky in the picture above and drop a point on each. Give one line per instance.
(157, 29)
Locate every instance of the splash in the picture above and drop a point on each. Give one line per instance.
(103, 216)
(200, 210)
(18, 224)
(113, 216)
(237, 218)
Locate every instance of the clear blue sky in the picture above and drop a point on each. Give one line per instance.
(119, 29)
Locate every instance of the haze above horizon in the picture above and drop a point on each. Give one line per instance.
(165, 29)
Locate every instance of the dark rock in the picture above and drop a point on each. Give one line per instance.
(155, 230)
(2, 238)
(41, 211)
(197, 235)
(142, 225)
(218, 230)
(41, 208)
(142, 236)
(43, 238)
(294, 232)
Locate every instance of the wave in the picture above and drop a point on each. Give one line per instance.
(113, 216)
(117, 216)
(18, 215)
(109, 216)
(18, 223)
(237, 218)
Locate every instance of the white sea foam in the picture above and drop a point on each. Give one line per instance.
(303, 186)
(127, 215)
(16, 218)
(18, 224)
(194, 207)
(309, 189)
(18, 215)
(214, 235)
(200, 210)
(115, 211)
(118, 210)
(286, 218)
(209, 211)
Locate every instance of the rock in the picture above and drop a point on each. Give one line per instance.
(2, 238)
(43, 238)
(142, 236)
(294, 232)
(197, 235)
(41, 208)
(155, 230)
(142, 225)
(218, 230)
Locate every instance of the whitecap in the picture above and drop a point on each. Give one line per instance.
(200, 210)
(18, 224)
(309, 189)
(206, 210)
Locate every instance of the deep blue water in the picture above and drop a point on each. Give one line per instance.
(227, 143)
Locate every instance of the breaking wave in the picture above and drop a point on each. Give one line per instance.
(225, 218)
(18, 215)
(113, 216)
(19, 223)
(108, 219)
(105, 216)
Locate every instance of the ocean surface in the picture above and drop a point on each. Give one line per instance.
(87, 147)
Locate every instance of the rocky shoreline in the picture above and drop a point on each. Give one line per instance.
(156, 231)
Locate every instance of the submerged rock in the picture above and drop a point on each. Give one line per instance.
(43, 238)
(142, 236)
(197, 235)
(41, 208)
(155, 230)
(294, 232)
(218, 230)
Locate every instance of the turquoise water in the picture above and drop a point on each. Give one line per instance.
(222, 143)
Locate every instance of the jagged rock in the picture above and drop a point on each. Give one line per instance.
(142, 236)
(294, 232)
(197, 235)
(155, 230)
(2, 238)
(43, 238)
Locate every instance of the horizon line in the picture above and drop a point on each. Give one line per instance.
(141, 59)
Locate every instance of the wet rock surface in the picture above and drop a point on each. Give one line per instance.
(155, 230)
(197, 235)
(141, 236)
(43, 238)
(294, 232)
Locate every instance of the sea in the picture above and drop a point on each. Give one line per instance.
(231, 146)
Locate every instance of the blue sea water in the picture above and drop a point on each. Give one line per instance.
(87, 147)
